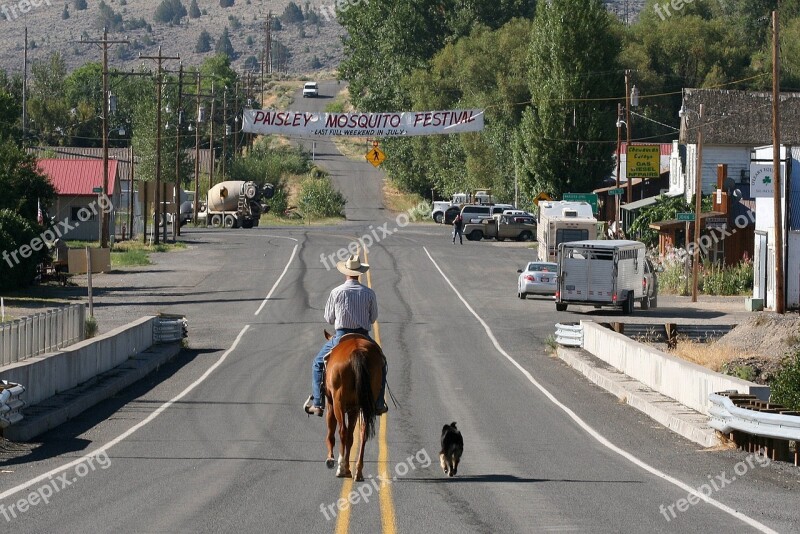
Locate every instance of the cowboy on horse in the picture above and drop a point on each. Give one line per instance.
(351, 308)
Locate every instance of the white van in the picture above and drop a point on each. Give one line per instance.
(612, 273)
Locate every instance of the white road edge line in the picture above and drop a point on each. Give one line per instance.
(278, 281)
(591, 431)
(131, 430)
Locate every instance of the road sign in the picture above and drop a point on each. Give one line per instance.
(375, 156)
(540, 197)
(590, 198)
(617, 192)
(716, 222)
(643, 161)
(97, 190)
(685, 216)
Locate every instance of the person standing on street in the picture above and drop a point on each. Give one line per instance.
(458, 229)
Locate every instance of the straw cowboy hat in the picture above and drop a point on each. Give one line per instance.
(352, 267)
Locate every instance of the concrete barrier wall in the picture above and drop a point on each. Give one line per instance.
(46, 375)
(686, 382)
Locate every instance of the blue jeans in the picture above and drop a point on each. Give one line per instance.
(318, 367)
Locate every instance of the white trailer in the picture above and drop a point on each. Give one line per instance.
(562, 221)
(605, 273)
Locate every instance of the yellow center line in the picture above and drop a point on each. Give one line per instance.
(385, 491)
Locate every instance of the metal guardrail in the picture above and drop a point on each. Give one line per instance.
(41, 333)
(569, 335)
(726, 417)
(10, 403)
(170, 328)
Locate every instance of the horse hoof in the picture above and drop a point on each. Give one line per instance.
(359, 478)
(330, 463)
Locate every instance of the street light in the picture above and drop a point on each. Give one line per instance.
(698, 192)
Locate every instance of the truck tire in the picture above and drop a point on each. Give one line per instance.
(216, 220)
(231, 221)
(247, 223)
(560, 306)
(654, 301)
(627, 307)
(475, 235)
(525, 236)
(438, 217)
(646, 303)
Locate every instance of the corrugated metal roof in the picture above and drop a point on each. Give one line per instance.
(78, 176)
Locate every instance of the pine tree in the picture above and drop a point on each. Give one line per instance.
(203, 43)
(224, 45)
(194, 10)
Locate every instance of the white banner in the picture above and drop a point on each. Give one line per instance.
(762, 179)
(318, 124)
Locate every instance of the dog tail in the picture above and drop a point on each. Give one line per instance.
(364, 388)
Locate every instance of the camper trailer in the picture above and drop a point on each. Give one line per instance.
(562, 222)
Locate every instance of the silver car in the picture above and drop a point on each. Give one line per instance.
(538, 278)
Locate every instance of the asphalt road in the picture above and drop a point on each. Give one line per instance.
(216, 440)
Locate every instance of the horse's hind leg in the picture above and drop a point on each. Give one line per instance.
(330, 419)
(361, 446)
(344, 464)
(352, 419)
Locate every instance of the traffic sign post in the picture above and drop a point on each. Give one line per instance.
(617, 192)
(97, 190)
(688, 217)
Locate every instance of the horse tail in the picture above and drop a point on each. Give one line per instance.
(364, 389)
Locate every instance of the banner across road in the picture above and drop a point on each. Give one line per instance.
(319, 124)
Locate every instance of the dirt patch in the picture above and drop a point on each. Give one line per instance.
(752, 351)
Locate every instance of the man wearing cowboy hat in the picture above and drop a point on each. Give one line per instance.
(351, 308)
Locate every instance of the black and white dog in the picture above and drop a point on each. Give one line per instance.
(452, 449)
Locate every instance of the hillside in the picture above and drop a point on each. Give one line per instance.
(48, 32)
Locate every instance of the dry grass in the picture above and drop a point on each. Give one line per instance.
(397, 201)
(354, 148)
(711, 355)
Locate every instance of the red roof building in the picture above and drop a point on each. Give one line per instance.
(78, 177)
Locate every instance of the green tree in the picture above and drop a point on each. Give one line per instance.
(203, 43)
(194, 10)
(109, 19)
(562, 144)
(292, 13)
(484, 70)
(170, 11)
(47, 110)
(224, 45)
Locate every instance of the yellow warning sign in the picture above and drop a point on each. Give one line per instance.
(540, 197)
(375, 156)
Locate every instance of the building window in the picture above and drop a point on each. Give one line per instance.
(82, 214)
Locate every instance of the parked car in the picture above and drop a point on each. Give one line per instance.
(310, 89)
(538, 278)
(501, 227)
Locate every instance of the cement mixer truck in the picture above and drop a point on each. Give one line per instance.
(235, 204)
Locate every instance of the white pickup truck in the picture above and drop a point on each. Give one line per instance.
(612, 273)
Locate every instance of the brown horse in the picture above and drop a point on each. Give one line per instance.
(353, 377)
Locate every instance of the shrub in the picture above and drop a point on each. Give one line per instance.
(15, 270)
(90, 327)
(318, 198)
(785, 387)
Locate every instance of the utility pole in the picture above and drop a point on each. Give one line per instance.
(176, 218)
(698, 194)
(25, 87)
(197, 153)
(776, 165)
(211, 141)
(159, 61)
(224, 129)
(628, 177)
(619, 157)
(131, 190)
(105, 43)
(235, 118)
